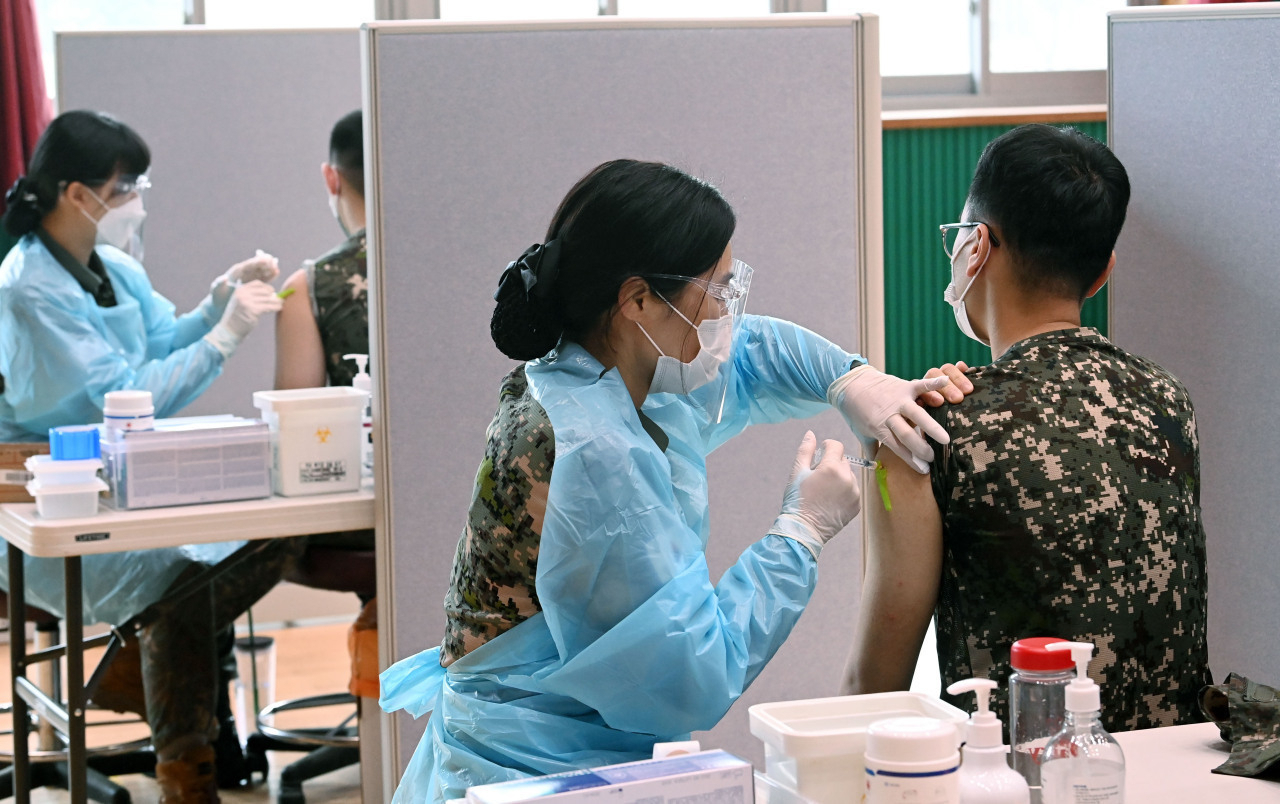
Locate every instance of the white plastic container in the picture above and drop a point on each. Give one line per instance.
(815, 748)
(66, 500)
(187, 461)
(124, 411)
(50, 473)
(913, 759)
(315, 438)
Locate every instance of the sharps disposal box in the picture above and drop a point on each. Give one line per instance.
(315, 438)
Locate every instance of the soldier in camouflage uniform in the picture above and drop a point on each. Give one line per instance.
(1067, 503)
(492, 587)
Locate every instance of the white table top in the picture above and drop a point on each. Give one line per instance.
(115, 531)
(1172, 765)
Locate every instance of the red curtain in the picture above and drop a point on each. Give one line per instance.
(25, 108)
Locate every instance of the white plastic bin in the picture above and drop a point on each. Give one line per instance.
(63, 473)
(186, 461)
(315, 438)
(815, 748)
(66, 500)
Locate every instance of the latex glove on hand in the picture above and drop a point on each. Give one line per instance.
(247, 304)
(881, 407)
(261, 267)
(820, 499)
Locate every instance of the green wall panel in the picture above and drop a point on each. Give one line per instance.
(926, 178)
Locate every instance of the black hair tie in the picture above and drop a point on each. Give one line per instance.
(534, 272)
(20, 193)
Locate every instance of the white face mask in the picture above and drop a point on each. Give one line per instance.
(333, 207)
(120, 225)
(956, 300)
(671, 376)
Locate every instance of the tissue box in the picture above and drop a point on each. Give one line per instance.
(711, 776)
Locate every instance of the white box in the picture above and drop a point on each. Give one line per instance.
(715, 777)
(315, 438)
(815, 748)
(187, 461)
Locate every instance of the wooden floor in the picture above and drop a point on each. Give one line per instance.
(309, 661)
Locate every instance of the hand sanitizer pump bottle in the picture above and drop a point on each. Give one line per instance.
(985, 775)
(1082, 764)
(363, 382)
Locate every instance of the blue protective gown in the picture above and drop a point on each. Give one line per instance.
(634, 644)
(60, 353)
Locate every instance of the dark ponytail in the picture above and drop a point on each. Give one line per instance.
(84, 146)
(623, 219)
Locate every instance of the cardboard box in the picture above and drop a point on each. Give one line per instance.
(716, 777)
(13, 474)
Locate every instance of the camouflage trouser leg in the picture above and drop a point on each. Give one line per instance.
(180, 671)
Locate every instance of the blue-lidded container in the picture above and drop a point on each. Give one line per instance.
(75, 443)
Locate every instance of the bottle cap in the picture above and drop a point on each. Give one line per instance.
(984, 729)
(1030, 654)
(74, 443)
(911, 739)
(1083, 694)
(362, 380)
(127, 404)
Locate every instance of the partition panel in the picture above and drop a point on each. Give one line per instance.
(1194, 108)
(475, 133)
(238, 123)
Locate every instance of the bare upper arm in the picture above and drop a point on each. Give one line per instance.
(900, 587)
(299, 350)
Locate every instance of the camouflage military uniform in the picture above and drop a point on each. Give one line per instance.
(339, 287)
(1070, 504)
(492, 587)
(1248, 716)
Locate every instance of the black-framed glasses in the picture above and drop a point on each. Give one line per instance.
(954, 234)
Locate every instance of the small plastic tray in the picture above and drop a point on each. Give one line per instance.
(60, 473)
(67, 500)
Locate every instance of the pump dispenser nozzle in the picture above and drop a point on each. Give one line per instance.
(362, 380)
(1083, 694)
(984, 729)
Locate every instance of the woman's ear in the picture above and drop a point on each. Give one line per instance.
(635, 301)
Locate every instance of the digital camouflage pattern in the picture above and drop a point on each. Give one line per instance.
(339, 287)
(1070, 503)
(1248, 715)
(492, 587)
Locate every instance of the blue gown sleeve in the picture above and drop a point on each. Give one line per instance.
(61, 367)
(191, 327)
(644, 637)
(779, 371)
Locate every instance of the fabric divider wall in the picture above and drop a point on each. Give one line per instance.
(238, 123)
(474, 134)
(1194, 107)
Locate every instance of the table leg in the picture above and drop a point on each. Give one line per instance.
(76, 757)
(18, 669)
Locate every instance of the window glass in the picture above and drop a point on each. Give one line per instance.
(1046, 35)
(287, 13)
(692, 8)
(98, 15)
(918, 37)
(518, 9)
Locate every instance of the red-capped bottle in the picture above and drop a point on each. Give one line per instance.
(1037, 703)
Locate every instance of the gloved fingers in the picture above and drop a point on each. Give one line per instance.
(832, 453)
(804, 455)
(261, 267)
(262, 296)
(908, 444)
(918, 417)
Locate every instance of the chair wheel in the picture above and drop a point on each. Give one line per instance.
(256, 762)
(290, 795)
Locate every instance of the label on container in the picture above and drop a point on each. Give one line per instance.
(1082, 781)
(16, 478)
(322, 471)
(936, 787)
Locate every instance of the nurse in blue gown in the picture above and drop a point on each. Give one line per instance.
(582, 625)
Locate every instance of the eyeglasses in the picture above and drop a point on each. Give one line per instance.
(951, 236)
(130, 184)
(731, 295)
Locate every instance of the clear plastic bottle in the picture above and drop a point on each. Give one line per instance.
(1037, 703)
(1082, 764)
(363, 382)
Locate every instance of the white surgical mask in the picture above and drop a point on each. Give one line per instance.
(956, 299)
(333, 207)
(715, 336)
(120, 225)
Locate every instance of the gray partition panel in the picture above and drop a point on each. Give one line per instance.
(475, 135)
(1195, 106)
(238, 123)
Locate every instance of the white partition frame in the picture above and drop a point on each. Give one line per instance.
(1194, 105)
(475, 131)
